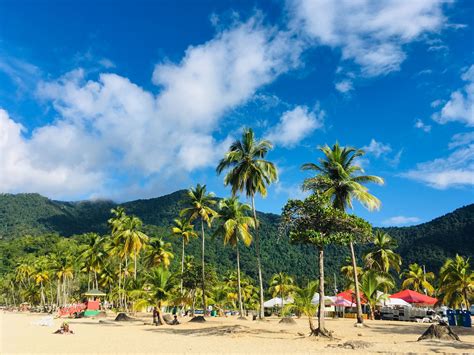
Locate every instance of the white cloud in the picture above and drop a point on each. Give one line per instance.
(455, 170)
(400, 220)
(344, 86)
(461, 139)
(111, 127)
(372, 33)
(295, 125)
(460, 106)
(377, 149)
(423, 126)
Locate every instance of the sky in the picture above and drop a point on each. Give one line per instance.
(124, 100)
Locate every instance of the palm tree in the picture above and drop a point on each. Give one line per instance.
(282, 285)
(132, 238)
(302, 303)
(184, 230)
(347, 271)
(158, 253)
(340, 179)
(41, 276)
(382, 257)
(457, 281)
(201, 203)
(156, 290)
(93, 257)
(234, 228)
(417, 280)
(250, 172)
(371, 285)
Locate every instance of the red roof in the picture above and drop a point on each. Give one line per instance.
(411, 296)
(349, 295)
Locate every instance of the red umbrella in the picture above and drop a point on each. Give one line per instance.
(349, 295)
(411, 296)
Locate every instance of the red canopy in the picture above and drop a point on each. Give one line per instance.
(414, 297)
(349, 295)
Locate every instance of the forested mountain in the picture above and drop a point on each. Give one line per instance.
(32, 214)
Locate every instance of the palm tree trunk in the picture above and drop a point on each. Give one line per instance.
(95, 277)
(182, 267)
(203, 271)
(43, 299)
(241, 307)
(360, 319)
(135, 266)
(261, 313)
(321, 319)
(58, 293)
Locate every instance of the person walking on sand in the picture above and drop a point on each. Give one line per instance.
(155, 316)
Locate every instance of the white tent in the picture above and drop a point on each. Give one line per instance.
(327, 300)
(276, 302)
(392, 301)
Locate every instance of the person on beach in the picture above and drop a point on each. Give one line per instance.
(155, 316)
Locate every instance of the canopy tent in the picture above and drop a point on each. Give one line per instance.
(341, 302)
(94, 293)
(414, 297)
(327, 300)
(390, 302)
(349, 295)
(276, 302)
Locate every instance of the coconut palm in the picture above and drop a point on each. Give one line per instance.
(281, 284)
(417, 280)
(302, 303)
(130, 236)
(41, 276)
(158, 253)
(381, 257)
(93, 257)
(200, 207)
(250, 172)
(457, 281)
(234, 227)
(341, 179)
(371, 285)
(347, 271)
(184, 230)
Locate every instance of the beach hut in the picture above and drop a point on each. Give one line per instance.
(93, 302)
(414, 297)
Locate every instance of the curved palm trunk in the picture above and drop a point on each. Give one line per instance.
(182, 267)
(160, 314)
(241, 307)
(203, 271)
(360, 319)
(261, 313)
(321, 319)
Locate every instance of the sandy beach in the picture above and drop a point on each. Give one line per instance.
(20, 334)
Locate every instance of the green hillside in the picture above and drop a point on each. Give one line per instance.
(429, 243)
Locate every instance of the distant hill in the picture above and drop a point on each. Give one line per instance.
(428, 243)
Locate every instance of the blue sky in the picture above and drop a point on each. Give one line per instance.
(129, 100)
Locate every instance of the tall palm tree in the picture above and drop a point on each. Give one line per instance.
(381, 256)
(93, 257)
(371, 284)
(303, 304)
(250, 172)
(234, 228)
(417, 280)
(159, 253)
(132, 238)
(41, 276)
(341, 179)
(184, 230)
(457, 281)
(281, 284)
(200, 206)
(347, 271)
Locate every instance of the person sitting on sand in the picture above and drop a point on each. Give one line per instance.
(64, 329)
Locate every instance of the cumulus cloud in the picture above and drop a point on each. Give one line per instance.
(111, 127)
(455, 170)
(400, 220)
(377, 149)
(460, 106)
(344, 86)
(423, 126)
(371, 33)
(295, 125)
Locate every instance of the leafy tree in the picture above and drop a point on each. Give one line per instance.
(342, 181)
(93, 256)
(381, 256)
(184, 230)
(159, 253)
(281, 284)
(250, 172)
(371, 285)
(234, 227)
(314, 221)
(201, 203)
(457, 281)
(417, 280)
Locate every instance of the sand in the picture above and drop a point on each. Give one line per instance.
(19, 334)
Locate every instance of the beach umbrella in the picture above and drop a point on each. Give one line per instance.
(411, 296)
